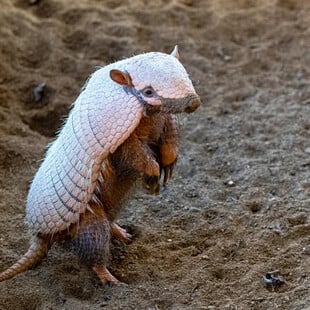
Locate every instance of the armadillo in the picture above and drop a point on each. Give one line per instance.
(121, 129)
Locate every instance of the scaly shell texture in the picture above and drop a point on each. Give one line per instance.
(102, 118)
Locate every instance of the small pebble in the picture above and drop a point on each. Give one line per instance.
(32, 2)
(38, 92)
(299, 75)
(230, 183)
(273, 279)
(222, 54)
(306, 250)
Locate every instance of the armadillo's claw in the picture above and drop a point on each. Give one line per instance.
(168, 170)
(120, 233)
(104, 275)
(152, 184)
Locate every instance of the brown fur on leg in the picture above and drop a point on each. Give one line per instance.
(91, 241)
(91, 237)
(152, 147)
(138, 156)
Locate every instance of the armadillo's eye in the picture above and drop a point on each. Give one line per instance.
(148, 92)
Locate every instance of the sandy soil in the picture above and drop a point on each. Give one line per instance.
(238, 206)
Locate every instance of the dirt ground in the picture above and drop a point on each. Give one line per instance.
(238, 205)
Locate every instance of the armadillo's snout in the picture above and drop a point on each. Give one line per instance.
(193, 105)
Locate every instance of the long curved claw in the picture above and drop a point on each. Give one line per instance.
(168, 170)
(152, 184)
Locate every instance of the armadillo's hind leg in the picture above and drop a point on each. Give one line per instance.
(92, 243)
(36, 252)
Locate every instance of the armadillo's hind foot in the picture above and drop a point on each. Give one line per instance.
(120, 233)
(36, 252)
(105, 276)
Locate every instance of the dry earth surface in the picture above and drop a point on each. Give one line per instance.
(238, 205)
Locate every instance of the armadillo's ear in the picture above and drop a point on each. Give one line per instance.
(175, 52)
(120, 77)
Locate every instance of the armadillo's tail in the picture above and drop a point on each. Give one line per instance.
(36, 252)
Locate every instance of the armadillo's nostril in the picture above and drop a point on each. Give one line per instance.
(193, 106)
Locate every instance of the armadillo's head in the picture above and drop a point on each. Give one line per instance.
(160, 80)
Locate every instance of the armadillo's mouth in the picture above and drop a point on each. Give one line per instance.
(187, 104)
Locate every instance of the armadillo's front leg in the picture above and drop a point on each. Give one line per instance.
(142, 160)
(140, 157)
(169, 149)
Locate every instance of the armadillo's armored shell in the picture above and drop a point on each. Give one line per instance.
(103, 117)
